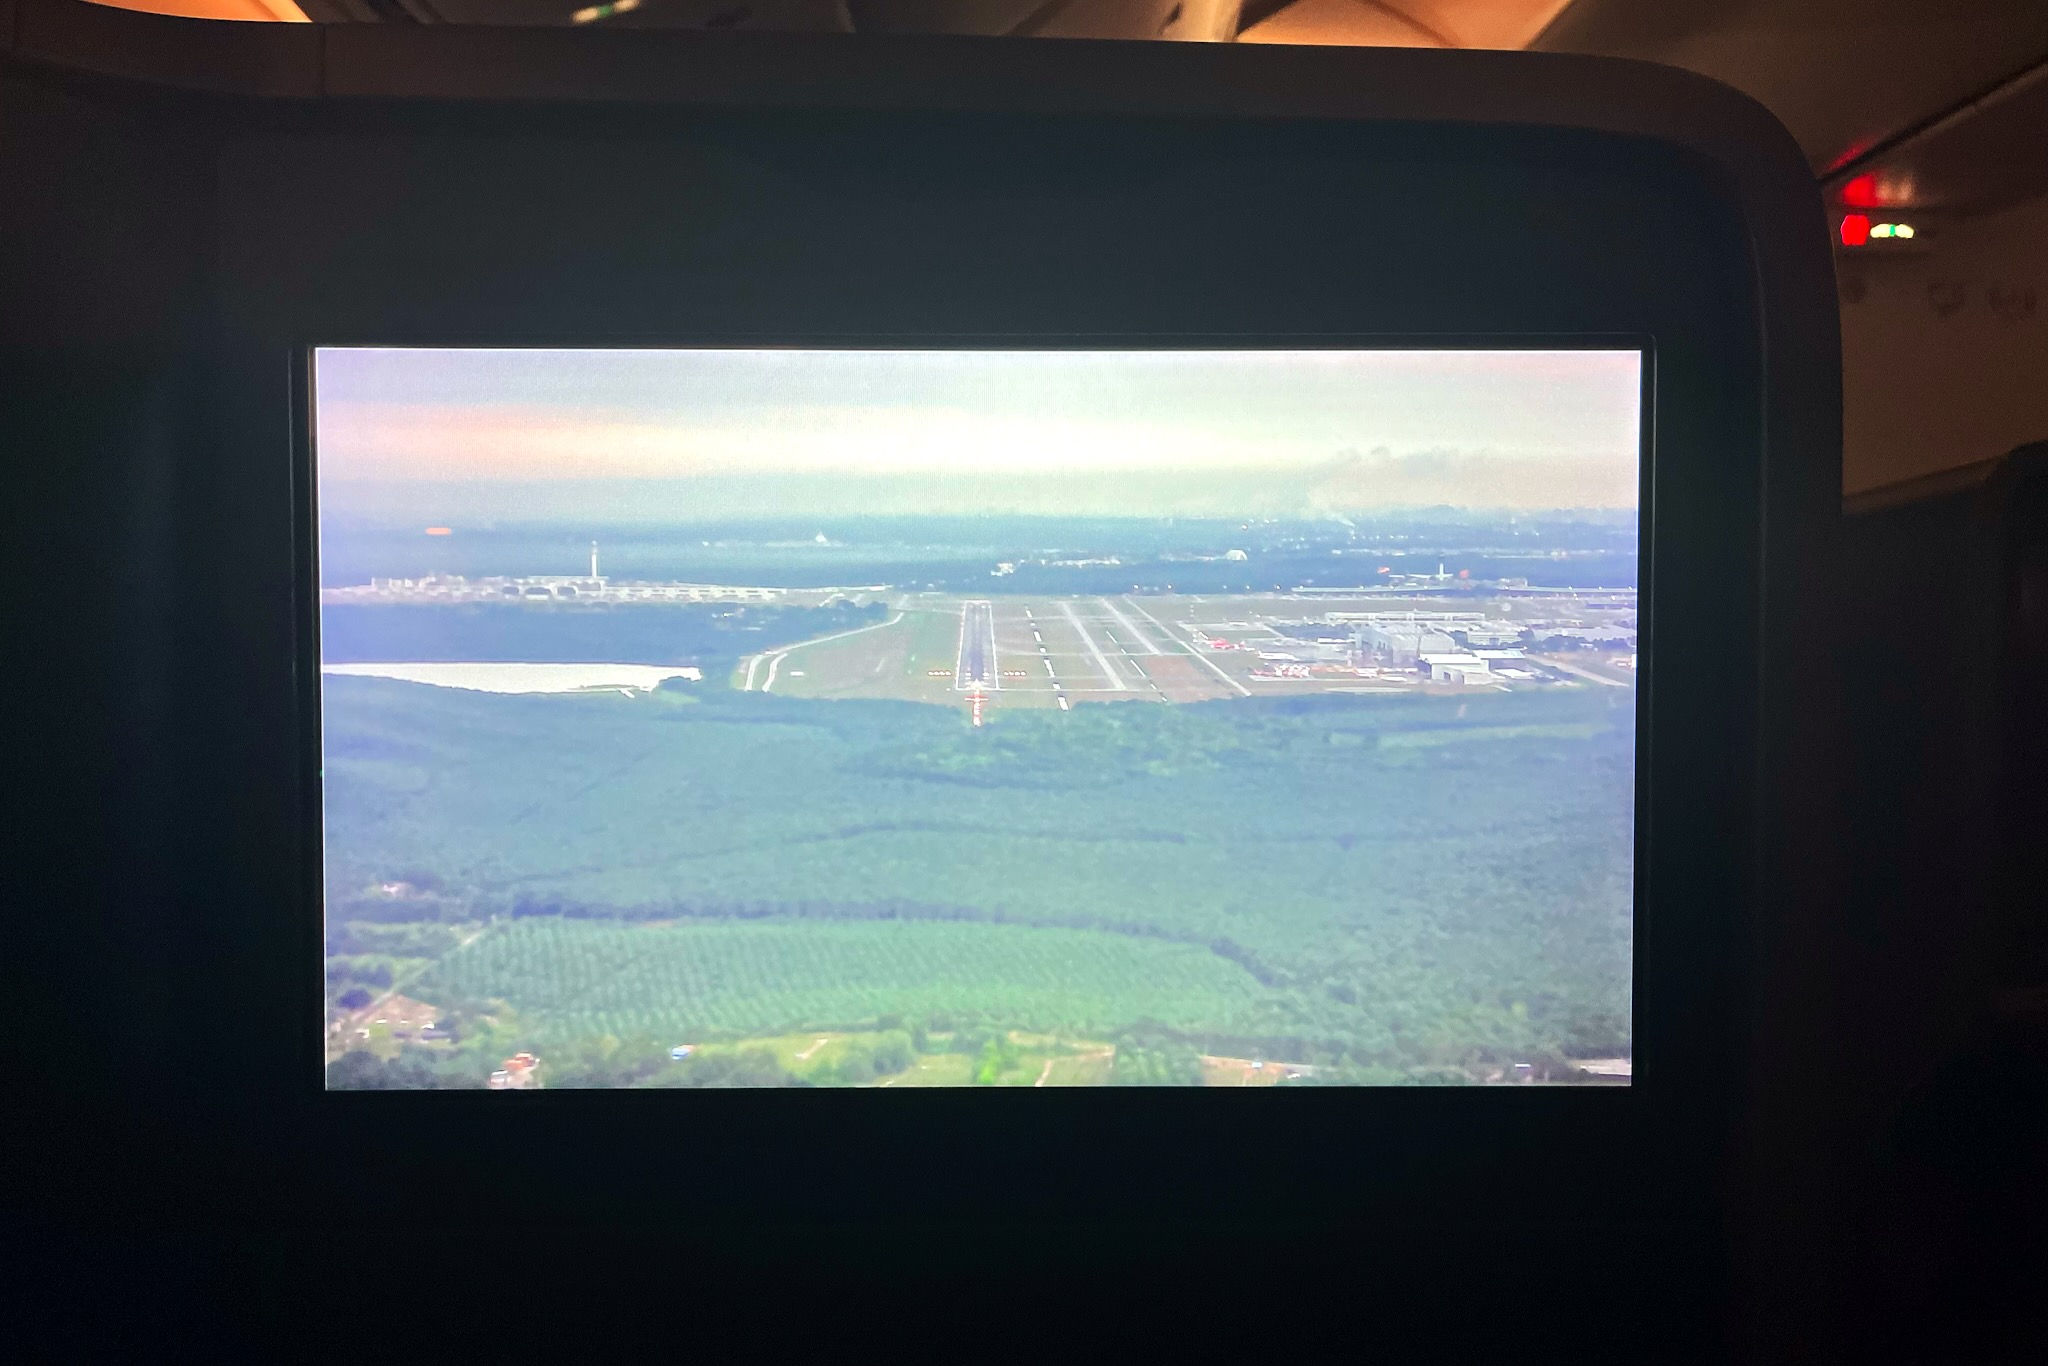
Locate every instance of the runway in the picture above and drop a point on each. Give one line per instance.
(976, 670)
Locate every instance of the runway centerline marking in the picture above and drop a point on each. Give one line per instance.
(977, 669)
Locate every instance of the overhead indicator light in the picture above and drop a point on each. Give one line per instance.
(1881, 230)
(1855, 229)
(1860, 191)
(1902, 229)
(593, 13)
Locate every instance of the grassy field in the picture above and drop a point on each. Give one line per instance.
(806, 1048)
(939, 1069)
(910, 659)
(1087, 1069)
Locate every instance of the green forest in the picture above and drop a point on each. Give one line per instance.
(1388, 887)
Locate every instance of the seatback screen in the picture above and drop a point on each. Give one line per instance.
(977, 717)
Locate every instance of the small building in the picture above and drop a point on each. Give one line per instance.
(1400, 642)
(1462, 669)
(518, 1073)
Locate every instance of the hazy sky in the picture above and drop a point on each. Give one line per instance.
(768, 433)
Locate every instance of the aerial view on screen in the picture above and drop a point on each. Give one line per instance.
(909, 718)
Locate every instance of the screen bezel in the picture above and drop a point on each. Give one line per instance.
(1669, 280)
(308, 658)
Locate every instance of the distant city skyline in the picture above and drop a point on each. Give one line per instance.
(756, 434)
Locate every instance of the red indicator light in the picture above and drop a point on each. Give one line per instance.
(1860, 192)
(1855, 229)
